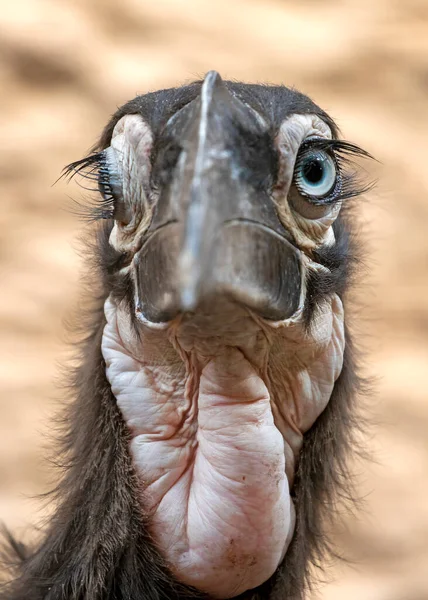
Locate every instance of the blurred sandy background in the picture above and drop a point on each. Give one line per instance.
(64, 68)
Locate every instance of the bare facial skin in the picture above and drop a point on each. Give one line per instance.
(217, 401)
(311, 225)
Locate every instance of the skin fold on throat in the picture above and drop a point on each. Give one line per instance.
(217, 406)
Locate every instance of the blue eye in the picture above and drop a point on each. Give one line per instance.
(315, 173)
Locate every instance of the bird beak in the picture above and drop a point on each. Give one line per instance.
(215, 232)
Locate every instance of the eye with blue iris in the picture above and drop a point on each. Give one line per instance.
(316, 174)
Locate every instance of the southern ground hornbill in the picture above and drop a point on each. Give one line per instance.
(205, 444)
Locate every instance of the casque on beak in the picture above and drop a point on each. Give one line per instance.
(215, 231)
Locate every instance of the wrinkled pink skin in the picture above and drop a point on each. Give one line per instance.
(217, 407)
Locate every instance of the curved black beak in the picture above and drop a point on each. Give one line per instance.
(215, 231)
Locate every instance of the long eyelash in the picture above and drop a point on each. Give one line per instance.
(92, 169)
(352, 180)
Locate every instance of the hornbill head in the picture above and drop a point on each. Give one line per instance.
(224, 339)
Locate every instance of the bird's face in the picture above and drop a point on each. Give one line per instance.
(224, 201)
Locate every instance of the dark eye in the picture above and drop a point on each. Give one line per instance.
(315, 173)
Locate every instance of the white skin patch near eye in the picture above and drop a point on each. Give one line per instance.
(311, 227)
(130, 149)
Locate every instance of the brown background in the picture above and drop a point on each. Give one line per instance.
(66, 65)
